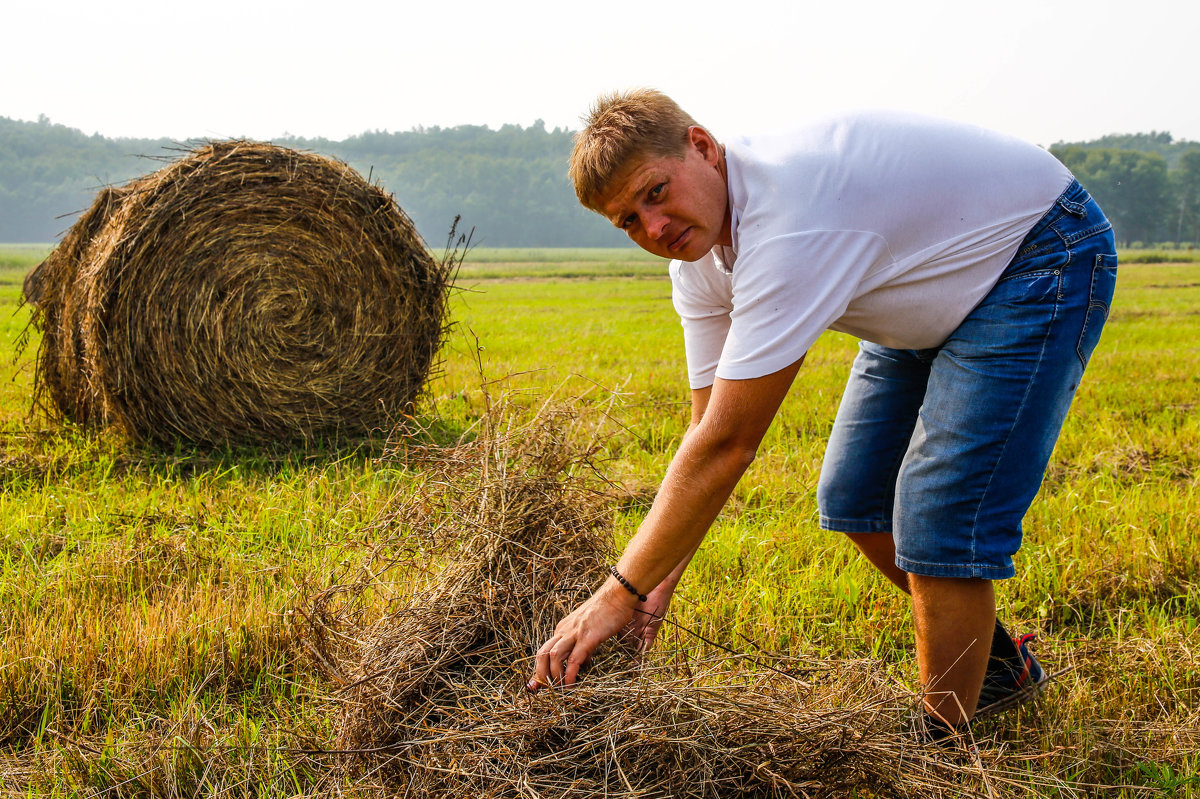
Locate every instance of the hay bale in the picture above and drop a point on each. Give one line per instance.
(431, 699)
(244, 292)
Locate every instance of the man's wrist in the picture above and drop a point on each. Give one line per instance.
(618, 594)
(628, 586)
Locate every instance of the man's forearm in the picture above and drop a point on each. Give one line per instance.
(667, 586)
(671, 580)
(697, 484)
(715, 453)
(701, 477)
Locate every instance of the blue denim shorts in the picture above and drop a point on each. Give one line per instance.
(945, 448)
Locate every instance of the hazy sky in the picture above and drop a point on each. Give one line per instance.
(1046, 71)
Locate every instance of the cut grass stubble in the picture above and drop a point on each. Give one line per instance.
(143, 600)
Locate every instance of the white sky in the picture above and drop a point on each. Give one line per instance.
(1046, 70)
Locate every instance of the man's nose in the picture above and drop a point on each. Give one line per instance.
(655, 223)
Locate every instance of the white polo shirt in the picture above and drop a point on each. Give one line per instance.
(891, 227)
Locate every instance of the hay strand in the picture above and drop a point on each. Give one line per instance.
(432, 698)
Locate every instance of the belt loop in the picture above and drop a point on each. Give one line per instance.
(1070, 206)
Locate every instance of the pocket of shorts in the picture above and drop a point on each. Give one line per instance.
(1104, 281)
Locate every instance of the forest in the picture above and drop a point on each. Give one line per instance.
(510, 186)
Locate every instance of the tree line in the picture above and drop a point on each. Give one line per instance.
(1147, 183)
(510, 184)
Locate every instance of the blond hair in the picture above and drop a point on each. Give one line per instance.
(620, 130)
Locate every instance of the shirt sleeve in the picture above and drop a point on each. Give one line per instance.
(789, 289)
(703, 298)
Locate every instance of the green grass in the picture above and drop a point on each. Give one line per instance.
(591, 255)
(15, 259)
(1190, 255)
(146, 599)
(489, 263)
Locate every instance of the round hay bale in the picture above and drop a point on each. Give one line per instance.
(243, 293)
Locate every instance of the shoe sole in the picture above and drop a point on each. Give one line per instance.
(1018, 697)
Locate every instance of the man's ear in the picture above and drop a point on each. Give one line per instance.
(702, 142)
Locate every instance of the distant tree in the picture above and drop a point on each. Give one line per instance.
(1131, 186)
(510, 184)
(1185, 182)
(48, 172)
(1153, 142)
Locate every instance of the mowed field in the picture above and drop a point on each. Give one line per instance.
(149, 644)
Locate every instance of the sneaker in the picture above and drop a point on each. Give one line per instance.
(1012, 683)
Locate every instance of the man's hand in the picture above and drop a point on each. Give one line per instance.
(578, 635)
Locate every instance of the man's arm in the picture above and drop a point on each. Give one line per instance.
(700, 479)
(648, 615)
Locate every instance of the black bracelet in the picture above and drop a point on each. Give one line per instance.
(641, 597)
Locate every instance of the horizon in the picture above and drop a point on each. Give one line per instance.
(289, 136)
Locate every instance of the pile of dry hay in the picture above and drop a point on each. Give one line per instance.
(431, 696)
(244, 292)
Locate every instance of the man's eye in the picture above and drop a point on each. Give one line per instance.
(628, 221)
(657, 190)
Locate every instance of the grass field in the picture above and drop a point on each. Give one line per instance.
(146, 638)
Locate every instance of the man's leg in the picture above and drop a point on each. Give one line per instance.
(1005, 663)
(955, 619)
(880, 549)
(996, 397)
(939, 653)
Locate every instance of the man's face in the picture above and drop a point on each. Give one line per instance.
(674, 207)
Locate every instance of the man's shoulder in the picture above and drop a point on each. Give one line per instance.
(709, 267)
(705, 278)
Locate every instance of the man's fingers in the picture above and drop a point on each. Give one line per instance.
(648, 632)
(549, 662)
(558, 663)
(543, 669)
(572, 671)
(551, 668)
(557, 655)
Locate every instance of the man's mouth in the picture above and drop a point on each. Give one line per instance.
(680, 240)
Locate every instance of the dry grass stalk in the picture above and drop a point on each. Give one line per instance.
(242, 292)
(432, 695)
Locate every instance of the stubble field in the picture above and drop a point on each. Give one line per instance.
(148, 644)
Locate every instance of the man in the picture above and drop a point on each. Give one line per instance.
(978, 275)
